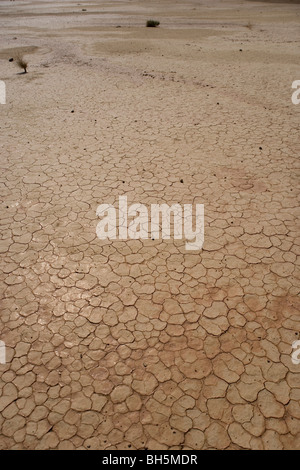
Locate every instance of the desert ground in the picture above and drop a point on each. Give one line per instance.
(141, 344)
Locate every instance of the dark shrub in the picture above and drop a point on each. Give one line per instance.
(152, 23)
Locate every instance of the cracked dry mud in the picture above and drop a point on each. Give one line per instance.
(140, 344)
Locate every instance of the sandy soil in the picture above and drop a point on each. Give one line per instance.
(141, 344)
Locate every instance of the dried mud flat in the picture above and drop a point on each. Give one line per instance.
(140, 344)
